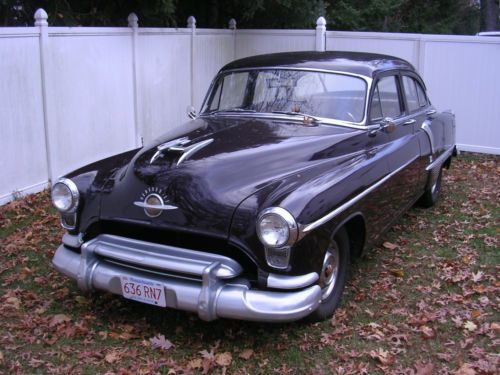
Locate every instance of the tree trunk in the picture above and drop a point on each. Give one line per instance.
(489, 15)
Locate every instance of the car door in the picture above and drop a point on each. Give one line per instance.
(388, 109)
(420, 114)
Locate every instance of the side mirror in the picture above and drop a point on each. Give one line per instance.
(191, 112)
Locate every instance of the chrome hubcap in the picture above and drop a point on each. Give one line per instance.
(329, 271)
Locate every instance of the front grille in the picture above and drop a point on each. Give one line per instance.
(172, 238)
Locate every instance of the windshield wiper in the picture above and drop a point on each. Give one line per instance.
(307, 118)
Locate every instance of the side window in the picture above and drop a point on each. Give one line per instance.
(422, 98)
(385, 100)
(410, 89)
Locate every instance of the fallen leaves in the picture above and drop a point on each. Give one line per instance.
(246, 354)
(389, 245)
(223, 359)
(470, 326)
(160, 342)
(59, 319)
(383, 356)
(465, 369)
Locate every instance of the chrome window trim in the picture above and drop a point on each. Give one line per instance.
(293, 229)
(354, 125)
(306, 228)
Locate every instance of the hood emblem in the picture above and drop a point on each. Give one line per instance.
(177, 145)
(153, 201)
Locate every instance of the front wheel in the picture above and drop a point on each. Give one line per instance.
(333, 276)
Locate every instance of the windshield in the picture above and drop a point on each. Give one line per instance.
(318, 94)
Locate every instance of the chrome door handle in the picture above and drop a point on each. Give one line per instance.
(409, 122)
(431, 112)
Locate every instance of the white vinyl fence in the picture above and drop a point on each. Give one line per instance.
(71, 96)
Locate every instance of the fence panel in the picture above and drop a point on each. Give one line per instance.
(90, 89)
(164, 79)
(257, 42)
(464, 74)
(70, 96)
(23, 163)
(213, 49)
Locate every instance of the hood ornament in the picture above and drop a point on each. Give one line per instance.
(177, 145)
(153, 202)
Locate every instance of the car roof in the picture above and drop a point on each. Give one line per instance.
(362, 63)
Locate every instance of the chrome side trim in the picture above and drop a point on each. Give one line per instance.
(155, 207)
(291, 282)
(189, 151)
(161, 257)
(441, 159)
(305, 228)
(425, 127)
(211, 298)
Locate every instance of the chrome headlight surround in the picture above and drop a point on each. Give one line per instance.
(281, 217)
(65, 189)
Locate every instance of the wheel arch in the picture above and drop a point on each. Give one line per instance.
(355, 227)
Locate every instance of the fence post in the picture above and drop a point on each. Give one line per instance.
(133, 23)
(41, 21)
(232, 26)
(191, 24)
(321, 34)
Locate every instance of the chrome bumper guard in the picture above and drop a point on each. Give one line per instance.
(219, 294)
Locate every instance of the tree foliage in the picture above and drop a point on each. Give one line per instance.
(417, 16)
(410, 16)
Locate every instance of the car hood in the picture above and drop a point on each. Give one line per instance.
(205, 168)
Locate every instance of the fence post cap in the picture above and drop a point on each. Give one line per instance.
(232, 24)
(191, 22)
(41, 17)
(133, 20)
(321, 21)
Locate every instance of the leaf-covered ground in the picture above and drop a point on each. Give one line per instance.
(424, 302)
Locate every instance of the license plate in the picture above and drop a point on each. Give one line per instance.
(143, 290)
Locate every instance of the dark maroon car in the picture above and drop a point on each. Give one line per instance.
(297, 163)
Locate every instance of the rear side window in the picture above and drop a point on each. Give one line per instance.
(411, 95)
(422, 98)
(415, 94)
(385, 100)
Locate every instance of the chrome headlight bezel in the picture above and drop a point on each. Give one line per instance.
(73, 194)
(288, 222)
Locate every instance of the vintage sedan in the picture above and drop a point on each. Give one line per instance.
(252, 210)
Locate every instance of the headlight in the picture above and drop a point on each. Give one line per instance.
(65, 195)
(276, 227)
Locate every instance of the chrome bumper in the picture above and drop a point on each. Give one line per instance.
(219, 293)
